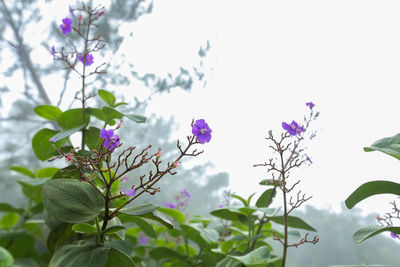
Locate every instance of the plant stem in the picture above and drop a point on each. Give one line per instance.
(285, 215)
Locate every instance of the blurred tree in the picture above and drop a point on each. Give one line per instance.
(21, 67)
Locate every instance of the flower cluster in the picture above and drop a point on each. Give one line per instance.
(293, 129)
(66, 26)
(87, 60)
(111, 140)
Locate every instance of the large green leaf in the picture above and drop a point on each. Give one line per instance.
(256, 258)
(6, 259)
(118, 258)
(47, 172)
(108, 97)
(85, 254)
(266, 198)
(67, 133)
(146, 210)
(71, 201)
(32, 188)
(144, 225)
(48, 112)
(369, 231)
(370, 189)
(388, 145)
(228, 262)
(174, 213)
(165, 253)
(244, 201)
(72, 118)
(23, 170)
(9, 220)
(92, 137)
(294, 222)
(41, 145)
(227, 214)
(5, 207)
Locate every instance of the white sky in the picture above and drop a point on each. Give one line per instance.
(268, 58)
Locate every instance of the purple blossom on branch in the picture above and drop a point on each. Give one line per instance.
(186, 193)
(66, 26)
(71, 11)
(170, 205)
(53, 51)
(293, 128)
(111, 140)
(202, 131)
(88, 59)
(310, 104)
(129, 193)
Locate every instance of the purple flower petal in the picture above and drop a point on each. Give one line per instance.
(66, 26)
(202, 131)
(393, 235)
(143, 240)
(310, 104)
(71, 11)
(131, 193)
(186, 193)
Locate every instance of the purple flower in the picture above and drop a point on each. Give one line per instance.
(181, 203)
(51, 140)
(293, 128)
(143, 240)
(66, 26)
(131, 193)
(310, 104)
(71, 11)
(186, 193)
(393, 235)
(220, 206)
(88, 59)
(170, 205)
(124, 179)
(101, 13)
(53, 51)
(111, 140)
(309, 160)
(202, 131)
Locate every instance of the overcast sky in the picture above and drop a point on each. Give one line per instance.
(267, 59)
(270, 57)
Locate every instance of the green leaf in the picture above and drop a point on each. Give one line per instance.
(115, 227)
(165, 253)
(135, 118)
(84, 228)
(108, 97)
(227, 214)
(71, 201)
(5, 207)
(47, 172)
(92, 137)
(228, 262)
(112, 113)
(370, 189)
(147, 210)
(266, 198)
(69, 172)
(269, 182)
(41, 145)
(6, 259)
(245, 203)
(85, 254)
(144, 225)
(388, 145)
(369, 231)
(294, 222)
(174, 213)
(119, 104)
(118, 258)
(48, 112)
(9, 220)
(256, 258)
(72, 118)
(32, 188)
(98, 113)
(67, 133)
(23, 170)
(209, 235)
